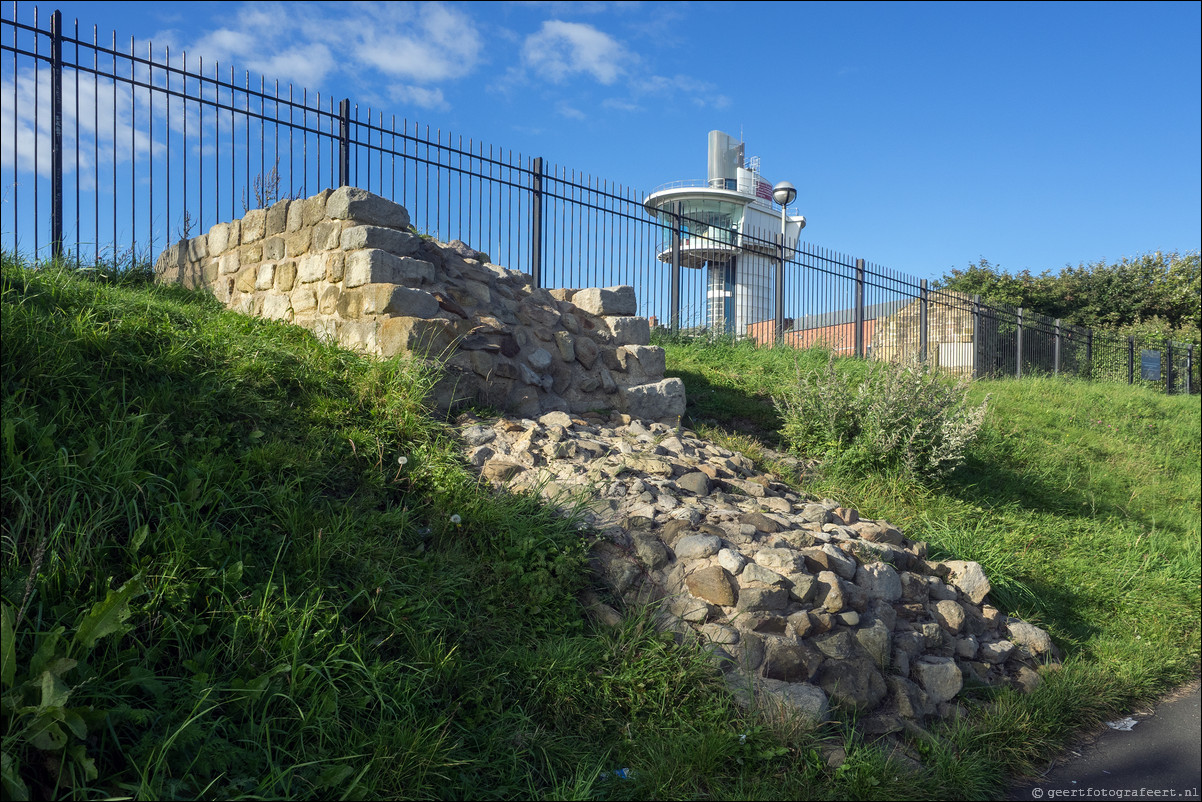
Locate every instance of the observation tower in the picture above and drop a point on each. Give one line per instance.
(729, 227)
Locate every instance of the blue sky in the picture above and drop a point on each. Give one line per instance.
(921, 136)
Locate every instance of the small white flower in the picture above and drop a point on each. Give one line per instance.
(401, 460)
(455, 519)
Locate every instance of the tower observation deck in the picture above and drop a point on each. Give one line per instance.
(728, 228)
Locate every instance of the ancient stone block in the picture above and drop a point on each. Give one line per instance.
(296, 216)
(326, 235)
(304, 300)
(389, 299)
(296, 243)
(273, 248)
(285, 276)
(629, 330)
(230, 262)
(352, 203)
(265, 276)
(329, 300)
(659, 401)
(220, 236)
(373, 266)
(315, 208)
(417, 336)
(277, 307)
(607, 301)
(398, 243)
(277, 218)
(253, 225)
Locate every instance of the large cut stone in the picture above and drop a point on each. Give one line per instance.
(659, 401)
(415, 335)
(629, 330)
(606, 301)
(389, 299)
(398, 243)
(352, 203)
(373, 266)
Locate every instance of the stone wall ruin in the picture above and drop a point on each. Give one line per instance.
(346, 265)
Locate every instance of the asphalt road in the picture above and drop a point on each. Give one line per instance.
(1159, 757)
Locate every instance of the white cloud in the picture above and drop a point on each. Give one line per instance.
(421, 44)
(614, 104)
(560, 50)
(419, 96)
(572, 113)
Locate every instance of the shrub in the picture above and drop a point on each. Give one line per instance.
(892, 417)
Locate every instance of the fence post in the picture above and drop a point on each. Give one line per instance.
(1018, 347)
(1189, 370)
(1168, 367)
(779, 311)
(1089, 353)
(859, 312)
(536, 221)
(674, 290)
(1056, 351)
(56, 138)
(344, 142)
(976, 336)
(1131, 360)
(923, 341)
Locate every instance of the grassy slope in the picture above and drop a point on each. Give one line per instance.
(1082, 500)
(290, 612)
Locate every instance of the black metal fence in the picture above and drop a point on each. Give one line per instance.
(114, 152)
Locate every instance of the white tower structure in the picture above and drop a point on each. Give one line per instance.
(728, 228)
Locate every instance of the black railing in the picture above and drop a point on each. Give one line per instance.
(125, 153)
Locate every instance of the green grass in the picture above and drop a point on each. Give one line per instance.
(218, 580)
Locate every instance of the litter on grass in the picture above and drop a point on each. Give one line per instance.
(1122, 725)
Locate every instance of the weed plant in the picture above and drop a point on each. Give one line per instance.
(893, 417)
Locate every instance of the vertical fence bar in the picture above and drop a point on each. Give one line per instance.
(859, 311)
(536, 221)
(344, 142)
(976, 336)
(1131, 360)
(1018, 345)
(779, 311)
(56, 138)
(1168, 367)
(674, 295)
(1189, 370)
(1089, 353)
(1056, 350)
(923, 321)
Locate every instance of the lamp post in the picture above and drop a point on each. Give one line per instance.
(783, 193)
